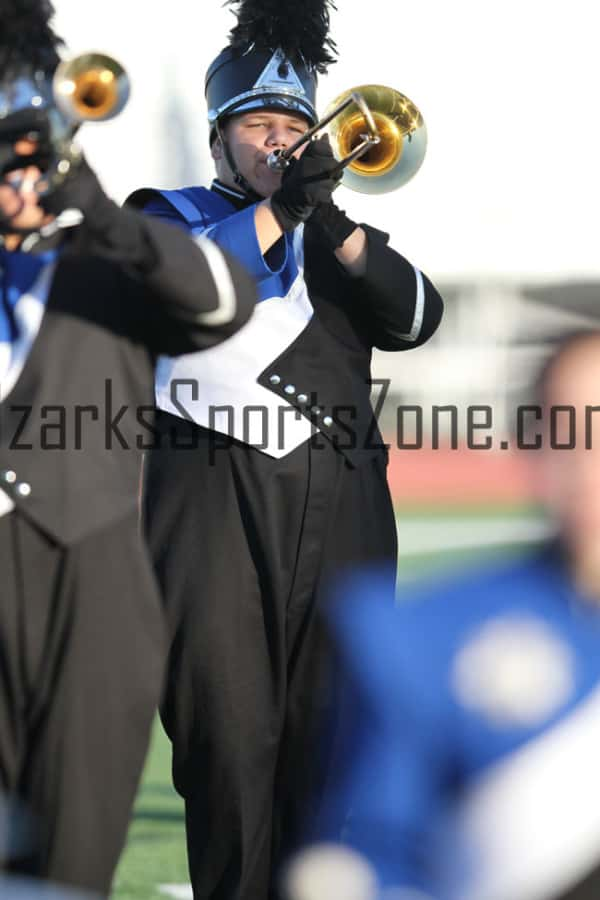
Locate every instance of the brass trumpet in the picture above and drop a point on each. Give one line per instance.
(379, 138)
(91, 87)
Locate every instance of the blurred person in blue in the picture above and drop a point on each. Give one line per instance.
(469, 768)
(283, 481)
(86, 306)
(27, 889)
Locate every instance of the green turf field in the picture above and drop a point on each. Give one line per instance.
(432, 542)
(155, 852)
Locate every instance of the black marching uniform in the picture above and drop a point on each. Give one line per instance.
(82, 642)
(245, 545)
(84, 312)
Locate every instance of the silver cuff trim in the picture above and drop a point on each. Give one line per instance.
(221, 276)
(417, 323)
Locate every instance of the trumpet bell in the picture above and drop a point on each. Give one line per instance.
(397, 157)
(91, 87)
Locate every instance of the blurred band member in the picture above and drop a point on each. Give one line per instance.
(286, 483)
(471, 765)
(84, 312)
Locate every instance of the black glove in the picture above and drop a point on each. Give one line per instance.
(306, 182)
(332, 225)
(107, 230)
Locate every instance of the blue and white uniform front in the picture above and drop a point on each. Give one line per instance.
(208, 385)
(221, 389)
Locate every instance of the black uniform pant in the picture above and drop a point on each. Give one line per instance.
(82, 651)
(245, 547)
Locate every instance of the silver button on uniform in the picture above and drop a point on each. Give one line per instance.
(24, 489)
(302, 398)
(290, 389)
(274, 379)
(328, 421)
(9, 476)
(315, 410)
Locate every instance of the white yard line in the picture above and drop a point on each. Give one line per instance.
(178, 891)
(431, 535)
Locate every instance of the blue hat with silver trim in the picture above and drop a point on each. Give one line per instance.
(28, 58)
(276, 51)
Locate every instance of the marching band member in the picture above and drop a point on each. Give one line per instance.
(84, 312)
(470, 760)
(272, 478)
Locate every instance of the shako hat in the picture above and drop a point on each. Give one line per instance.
(28, 57)
(275, 53)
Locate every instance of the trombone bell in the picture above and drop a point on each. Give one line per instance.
(396, 157)
(91, 87)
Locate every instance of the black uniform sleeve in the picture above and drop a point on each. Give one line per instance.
(177, 293)
(192, 294)
(400, 305)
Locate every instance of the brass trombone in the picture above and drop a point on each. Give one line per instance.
(378, 136)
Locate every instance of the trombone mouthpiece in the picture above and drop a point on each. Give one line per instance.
(277, 161)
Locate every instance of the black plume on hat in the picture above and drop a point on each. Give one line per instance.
(299, 27)
(27, 41)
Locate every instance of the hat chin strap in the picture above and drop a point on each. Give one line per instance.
(239, 179)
